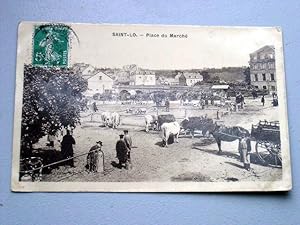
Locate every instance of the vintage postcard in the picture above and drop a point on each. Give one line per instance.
(150, 108)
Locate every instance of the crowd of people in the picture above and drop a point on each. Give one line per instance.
(123, 151)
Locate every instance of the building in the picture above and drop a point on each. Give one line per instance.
(171, 81)
(88, 70)
(122, 77)
(142, 77)
(262, 68)
(188, 78)
(98, 82)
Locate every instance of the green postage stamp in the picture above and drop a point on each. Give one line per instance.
(50, 45)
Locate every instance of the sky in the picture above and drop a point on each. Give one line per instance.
(204, 47)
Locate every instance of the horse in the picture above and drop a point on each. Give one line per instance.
(197, 123)
(229, 134)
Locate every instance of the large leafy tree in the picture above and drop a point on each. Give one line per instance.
(52, 100)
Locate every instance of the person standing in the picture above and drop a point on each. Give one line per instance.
(167, 105)
(95, 108)
(93, 157)
(67, 148)
(242, 101)
(244, 150)
(122, 152)
(263, 100)
(128, 141)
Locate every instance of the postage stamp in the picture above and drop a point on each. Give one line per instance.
(50, 45)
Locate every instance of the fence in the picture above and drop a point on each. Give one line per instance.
(40, 169)
(137, 119)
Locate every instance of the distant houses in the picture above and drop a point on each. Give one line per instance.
(98, 81)
(142, 77)
(182, 79)
(187, 78)
(102, 80)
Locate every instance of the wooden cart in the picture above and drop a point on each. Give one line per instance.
(268, 147)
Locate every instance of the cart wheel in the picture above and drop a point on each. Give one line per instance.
(269, 154)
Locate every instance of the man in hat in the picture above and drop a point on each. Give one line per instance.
(122, 152)
(93, 157)
(128, 142)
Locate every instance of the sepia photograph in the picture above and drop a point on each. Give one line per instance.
(150, 108)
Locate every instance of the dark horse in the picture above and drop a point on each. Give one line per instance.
(229, 134)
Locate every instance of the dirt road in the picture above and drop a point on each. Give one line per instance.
(189, 160)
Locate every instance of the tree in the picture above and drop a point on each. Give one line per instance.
(52, 100)
(205, 76)
(158, 97)
(215, 79)
(247, 75)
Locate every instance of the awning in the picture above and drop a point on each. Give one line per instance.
(220, 87)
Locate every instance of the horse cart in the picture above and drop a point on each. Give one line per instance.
(268, 148)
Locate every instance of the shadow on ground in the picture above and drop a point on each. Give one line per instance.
(235, 164)
(216, 152)
(233, 155)
(204, 142)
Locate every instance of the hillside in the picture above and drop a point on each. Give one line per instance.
(225, 73)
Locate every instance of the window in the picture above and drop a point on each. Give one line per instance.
(271, 56)
(100, 77)
(255, 77)
(272, 77)
(264, 87)
(256, 86)
(264, 76)
(273, 88)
